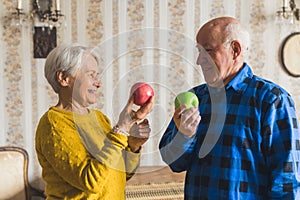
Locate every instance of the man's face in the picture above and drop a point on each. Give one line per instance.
(215, 59)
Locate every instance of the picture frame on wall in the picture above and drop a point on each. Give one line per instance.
(290, 52)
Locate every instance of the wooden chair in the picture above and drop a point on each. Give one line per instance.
(14, 175)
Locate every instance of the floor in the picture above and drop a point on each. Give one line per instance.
(159, 174)
(144, 175)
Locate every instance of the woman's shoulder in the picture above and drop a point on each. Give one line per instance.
(55, 117)
(100, 115)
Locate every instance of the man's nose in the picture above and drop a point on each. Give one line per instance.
(198, 59)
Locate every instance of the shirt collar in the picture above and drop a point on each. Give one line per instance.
(239, 83)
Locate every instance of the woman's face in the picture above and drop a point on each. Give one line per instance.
(86, 82)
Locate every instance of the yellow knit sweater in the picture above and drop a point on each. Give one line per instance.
(81, 158)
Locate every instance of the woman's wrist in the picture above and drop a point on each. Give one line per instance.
(136, 149)
(119, 130)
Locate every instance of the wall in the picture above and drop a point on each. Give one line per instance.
(140, 40)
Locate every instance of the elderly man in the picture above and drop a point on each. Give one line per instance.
(242, 142)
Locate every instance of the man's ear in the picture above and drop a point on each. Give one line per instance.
(63, 78)
(236, 48)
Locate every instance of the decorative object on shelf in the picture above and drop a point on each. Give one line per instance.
(290, 52)
(288, 13)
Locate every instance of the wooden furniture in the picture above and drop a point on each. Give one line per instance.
(156, 174)
(155, 183)
(14, 175)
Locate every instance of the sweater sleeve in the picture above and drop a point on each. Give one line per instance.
(111, 153)
(132, 161)
(85, 157)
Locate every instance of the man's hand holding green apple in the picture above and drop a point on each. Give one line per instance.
(186, 115)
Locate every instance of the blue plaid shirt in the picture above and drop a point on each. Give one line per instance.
(255, 143)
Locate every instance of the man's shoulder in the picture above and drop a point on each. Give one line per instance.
(268, 85)
(199, 88)
(267, 90)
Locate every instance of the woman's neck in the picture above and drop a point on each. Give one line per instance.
(72, 106)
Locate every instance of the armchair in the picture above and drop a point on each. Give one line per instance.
(14, 175)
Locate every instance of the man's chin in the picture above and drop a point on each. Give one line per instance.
(215, 83)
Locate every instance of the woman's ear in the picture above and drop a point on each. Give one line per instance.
(236, 48)
(63, 78)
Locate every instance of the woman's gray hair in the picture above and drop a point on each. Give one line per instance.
(65, 58)
(235, 31)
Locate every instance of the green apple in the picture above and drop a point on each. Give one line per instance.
(187, 98)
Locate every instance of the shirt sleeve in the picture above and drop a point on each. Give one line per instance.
(281, 148)
(176, 149)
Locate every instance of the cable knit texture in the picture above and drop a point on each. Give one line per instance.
(81, 158)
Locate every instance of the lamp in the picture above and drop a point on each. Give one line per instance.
(46, 16)
(19, 16)
(288, 12)
(47, 12)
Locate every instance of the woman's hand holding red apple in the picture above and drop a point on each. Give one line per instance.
(129, 120)
(128, 116)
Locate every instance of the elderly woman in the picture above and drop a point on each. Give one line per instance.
(81, 155)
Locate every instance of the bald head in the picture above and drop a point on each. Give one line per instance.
(223, 29)
(220, 22)
(217, 28)
(224, 42)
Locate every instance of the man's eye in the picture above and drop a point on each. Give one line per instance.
(208, 50)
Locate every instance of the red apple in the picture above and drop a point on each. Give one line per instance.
(142, 93)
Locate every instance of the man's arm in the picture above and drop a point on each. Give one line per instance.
(281, 147)
(176, 149)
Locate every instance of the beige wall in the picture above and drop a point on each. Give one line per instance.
(163, 55)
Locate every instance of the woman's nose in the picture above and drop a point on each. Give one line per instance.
(98, 83)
